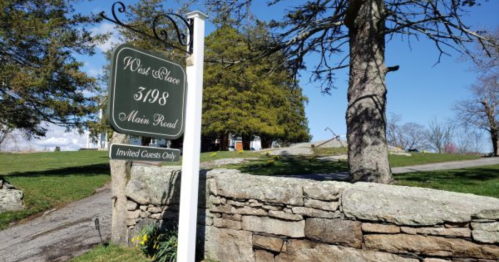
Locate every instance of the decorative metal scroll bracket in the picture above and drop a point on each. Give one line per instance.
(185, 43)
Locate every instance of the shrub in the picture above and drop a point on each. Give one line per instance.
(167, 251)
(161, 247)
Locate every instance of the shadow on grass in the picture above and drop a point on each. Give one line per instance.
(470, 174)
(292, 166)
(88, 170)
(479, 181)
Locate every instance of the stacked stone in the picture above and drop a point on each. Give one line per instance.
(485, 227)
(279, 219)
(153, 196)
(11, 199)
(273, 219)
(136, 211)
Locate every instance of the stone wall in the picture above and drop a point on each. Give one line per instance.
(256, 218)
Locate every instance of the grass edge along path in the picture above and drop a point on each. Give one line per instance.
(426, 158)
(111, 253)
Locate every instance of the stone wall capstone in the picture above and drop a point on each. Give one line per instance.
(242, 217)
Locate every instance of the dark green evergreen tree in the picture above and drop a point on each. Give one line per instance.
(40, 77)
(256, 99)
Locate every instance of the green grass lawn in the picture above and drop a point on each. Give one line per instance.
(290, 165)
(11, 163)
(211, 156)
(426, 158)
(114, 254)
(111, 254)
(52, 179)
(330, 151)
(268, 165)
(399, 161)
(477, 180)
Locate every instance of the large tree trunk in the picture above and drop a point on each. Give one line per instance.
(494, 129)
(494, 135)
(365, 117)
(224, 141)
(120, 173)
(266, 141)
(145, 141)
(247, 142)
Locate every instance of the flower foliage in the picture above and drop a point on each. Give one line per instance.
(157, 245)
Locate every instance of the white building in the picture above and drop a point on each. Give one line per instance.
(236, 143)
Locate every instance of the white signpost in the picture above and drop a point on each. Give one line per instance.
(192, 135)
(192, 144)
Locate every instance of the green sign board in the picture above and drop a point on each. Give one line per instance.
(146, 94)
(156, 154)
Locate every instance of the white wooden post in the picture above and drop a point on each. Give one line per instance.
(192, 144)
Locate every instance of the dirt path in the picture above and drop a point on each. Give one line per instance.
(343, 176)
(61, 234)
(447, 165)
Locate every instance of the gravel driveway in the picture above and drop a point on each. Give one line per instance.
(61, 234)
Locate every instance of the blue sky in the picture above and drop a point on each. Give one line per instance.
(418, 91)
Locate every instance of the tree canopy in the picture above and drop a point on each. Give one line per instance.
(352, 34)
(41, 80)
(406, 136)
(254, 99)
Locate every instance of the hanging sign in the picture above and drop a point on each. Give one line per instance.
(146, 94)
(156, 154)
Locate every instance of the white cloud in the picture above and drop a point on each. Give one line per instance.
(67, 141)
(93, 72)
(112, 41)
(91, 69)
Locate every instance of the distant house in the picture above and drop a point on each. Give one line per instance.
(236, 143)
(155, 142)
(103, 142)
